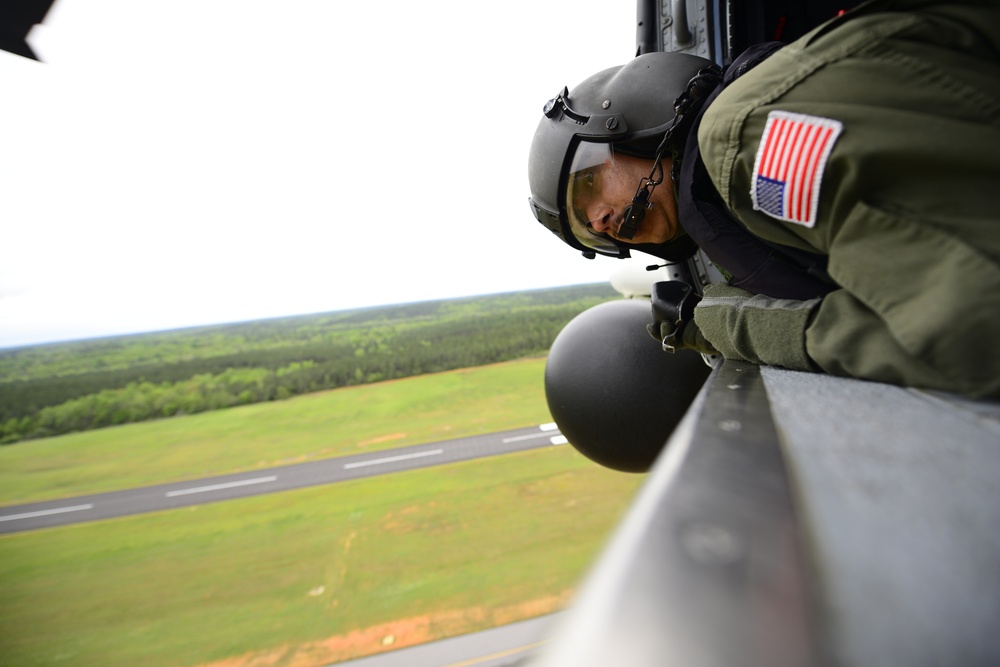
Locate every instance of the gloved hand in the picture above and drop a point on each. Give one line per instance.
(690, 337)
(673, 318)
(755, 327)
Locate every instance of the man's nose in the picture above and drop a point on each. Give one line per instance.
(601, 218)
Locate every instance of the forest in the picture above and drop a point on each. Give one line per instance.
(47, 390)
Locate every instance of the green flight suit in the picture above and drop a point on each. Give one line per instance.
(908, 199)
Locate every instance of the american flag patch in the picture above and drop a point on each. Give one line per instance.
(789, 165)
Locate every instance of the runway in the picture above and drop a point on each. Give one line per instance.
(503, 646)
(65, 511)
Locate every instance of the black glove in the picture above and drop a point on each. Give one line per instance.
(673, 318)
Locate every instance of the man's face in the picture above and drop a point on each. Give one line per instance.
(601, 194)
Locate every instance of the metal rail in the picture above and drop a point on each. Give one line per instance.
(708, 567)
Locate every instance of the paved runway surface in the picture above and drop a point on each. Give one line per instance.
(505, 646)
(16, 518)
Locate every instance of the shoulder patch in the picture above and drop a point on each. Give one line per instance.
(788, 169)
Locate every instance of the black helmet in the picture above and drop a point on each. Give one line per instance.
(629, 108)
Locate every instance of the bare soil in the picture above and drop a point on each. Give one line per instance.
(394, 635)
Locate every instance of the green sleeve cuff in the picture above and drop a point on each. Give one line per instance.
(756, 328)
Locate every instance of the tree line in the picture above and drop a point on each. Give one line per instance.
(277, 359)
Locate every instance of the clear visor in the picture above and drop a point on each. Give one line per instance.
(582, 187)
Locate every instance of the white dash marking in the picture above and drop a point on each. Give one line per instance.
(217, 487)
(393, 459)
(530, 436)
(559, 440)
(56, 510)
(551, 426)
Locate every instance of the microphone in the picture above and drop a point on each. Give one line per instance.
(635, 212)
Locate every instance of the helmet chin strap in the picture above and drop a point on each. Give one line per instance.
(697, 88)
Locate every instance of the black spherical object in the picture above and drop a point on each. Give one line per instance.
(613, 391)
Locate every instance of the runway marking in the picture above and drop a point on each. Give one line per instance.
(545, 428)
(494, 656)
(559, 440)
(56, 510)
(530, 436)
(392, 459)
(216, 487)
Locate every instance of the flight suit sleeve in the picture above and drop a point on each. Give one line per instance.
(919, 306)
(925, 316)
(907, 212)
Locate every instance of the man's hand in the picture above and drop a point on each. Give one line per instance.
(673, 318)
(755, 327)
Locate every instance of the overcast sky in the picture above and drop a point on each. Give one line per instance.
(182, 162)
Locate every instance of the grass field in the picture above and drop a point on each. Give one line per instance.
(321, 425)
(318, 575)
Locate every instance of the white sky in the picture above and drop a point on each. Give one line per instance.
(182, 162)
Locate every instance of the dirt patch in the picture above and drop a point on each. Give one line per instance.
(394, 635)
(382, 438)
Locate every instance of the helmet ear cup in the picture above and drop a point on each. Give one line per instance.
(613, 391)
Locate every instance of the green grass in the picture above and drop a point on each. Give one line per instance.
(189, 586)
(314, 426)
(466, 545)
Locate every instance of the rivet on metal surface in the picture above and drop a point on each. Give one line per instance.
(730, 425)
(605, 104)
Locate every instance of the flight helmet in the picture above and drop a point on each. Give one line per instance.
(628, 109)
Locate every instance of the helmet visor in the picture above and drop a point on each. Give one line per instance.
(583, 185)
